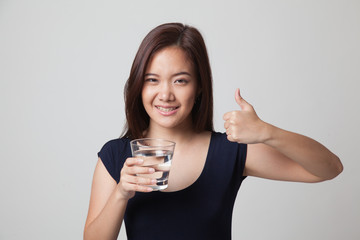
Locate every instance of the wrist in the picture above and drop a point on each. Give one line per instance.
(269, 133)
(121, 196)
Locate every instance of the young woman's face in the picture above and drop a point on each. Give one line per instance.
(169, 90)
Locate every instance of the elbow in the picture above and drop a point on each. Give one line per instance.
(337, 168)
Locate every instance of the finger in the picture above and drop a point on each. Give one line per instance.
(226, 124)
(139, 170)
(229, 131)
(136, 188)
(238, 97)
(241, 102)
(230, 138)
(139, 180)
(139, 188)
(227, 116)
(134, 161)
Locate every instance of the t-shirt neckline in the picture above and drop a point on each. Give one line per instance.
(203, 172)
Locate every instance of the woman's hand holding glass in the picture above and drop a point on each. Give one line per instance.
(130, 182)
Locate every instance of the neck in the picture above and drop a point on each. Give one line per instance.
(178, 135)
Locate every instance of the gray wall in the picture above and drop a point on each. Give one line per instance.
(63, 65)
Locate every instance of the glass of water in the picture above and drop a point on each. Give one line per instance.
(157, 154)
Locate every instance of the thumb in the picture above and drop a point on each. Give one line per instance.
(240, 101)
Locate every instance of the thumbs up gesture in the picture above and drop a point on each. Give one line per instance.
(244, 126)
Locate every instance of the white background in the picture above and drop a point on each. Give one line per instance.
(63, 65)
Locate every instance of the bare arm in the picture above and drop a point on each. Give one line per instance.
(274, 153)
(108, 199)
(291, 157)
(106, 208)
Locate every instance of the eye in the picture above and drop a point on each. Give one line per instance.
(181, 81)
(151, 80)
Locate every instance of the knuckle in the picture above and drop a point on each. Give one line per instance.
(123, 172)
(123, 185)
(144, 181)
(149, 181)
(139, 180)
(138, 188)
(136, 180)
(125, 179)
(137, 170)
(129, 161)
(124, 167)
(128, 170)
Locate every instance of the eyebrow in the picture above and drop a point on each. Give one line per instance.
(176, 74)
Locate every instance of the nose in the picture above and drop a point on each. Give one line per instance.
(166, 92)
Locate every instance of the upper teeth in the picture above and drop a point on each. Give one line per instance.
(166, 109)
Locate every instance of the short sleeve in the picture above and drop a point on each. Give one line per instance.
(230, 158)
(113, 155)
(241, 159)
(237, 153)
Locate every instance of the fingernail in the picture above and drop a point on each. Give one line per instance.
(153, 181)
(140, 160)
(151, 170)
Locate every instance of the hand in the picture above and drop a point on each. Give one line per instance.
(130, 182)
(244, 126)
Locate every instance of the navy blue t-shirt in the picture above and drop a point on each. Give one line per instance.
(201, 211)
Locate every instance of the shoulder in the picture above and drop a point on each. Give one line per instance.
(221, 145)
(116, 145)
(229, 155)
(115, 149)
(113, 155)
(221, 138)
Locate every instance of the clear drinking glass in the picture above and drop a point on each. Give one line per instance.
(156, 153)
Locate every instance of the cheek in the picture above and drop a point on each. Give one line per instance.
(145, 96)
(190, 98)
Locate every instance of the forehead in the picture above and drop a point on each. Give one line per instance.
(170, 57)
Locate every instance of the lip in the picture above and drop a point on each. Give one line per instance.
(166, 110)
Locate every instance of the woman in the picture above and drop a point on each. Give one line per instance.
(169, 95)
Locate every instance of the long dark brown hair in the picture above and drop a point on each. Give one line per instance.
(192, 43)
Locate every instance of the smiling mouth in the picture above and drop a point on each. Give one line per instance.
(166, 109)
